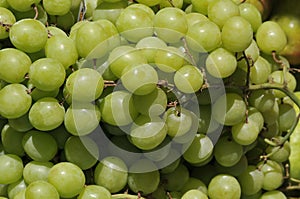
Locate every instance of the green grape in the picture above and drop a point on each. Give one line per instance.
(227, 152)
(4, 4)
(194, 18)
(252, 52)
(233, 112)
(188, 79)
(220, 11)
(35, 170)
(274, 194)
(47, 74)
(170, 24)
(61, 135)
(37, 94)
(221, 63)
(22, 5)
(124, 56)
(199, 150)
(249, 12)
(109, 11)
(287, 116)
(134, 24)
(11, 168)
(242, 37)
(260, 71)
(234, 170)
(55, 31)
(146, 134)
(194, 193)
(6, 17)
(178, 120)
(251, 180)
(82, 118)
(149, 2)
(194, 183)
(175, 3)
(224, 186)
(46, 114)
(63, 49)
(14, 188)
(74, 29)
(256, 116)
(270, 37)
(67, 178)
(149, 47)
(82, 151)
(20, 61)
(41, 189)
(21, 124)
(245, 132)
(20, 195)
(203, 36)
(12, 140)
(143, 176)
(169, 59)
(92, 191)
(111, 173)
(28, 35)
(37, 8)
(14, 101)
(91, 40)
(84, 85)
(152, 104)
(273, 174)
(262, 100)
(282, 77)
(140, 80)
(279, 153)
(118, 109)
(57, 7)
(63, 22)
(200, 6)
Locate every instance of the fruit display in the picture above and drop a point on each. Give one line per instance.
(149, 99)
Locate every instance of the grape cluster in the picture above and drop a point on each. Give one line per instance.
(158, 99)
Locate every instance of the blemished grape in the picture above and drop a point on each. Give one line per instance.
(6, 17)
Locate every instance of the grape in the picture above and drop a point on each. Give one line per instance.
(243, 36)
(188, 79)
(41, 189)
(194, 193)
(39, 145)
(200, 6)
(82, 118)
(170, 24)
(275, 194)
(287, 117)
(61, 135)
(134, 24)
(203, 36)
(4, 4)
(63, 22)
(124, 56)
(14, 101)
(84, 85)
(6, 17)
(270, 37)
(82, 151)
(21, 124)
(260, 71)
(149, 2)
(251, 180)
(225, 187)
(55, 31)
(28, 35)
(92, 191)
(36, 171)
(194, 18)
(245, 133)
(282, 77)
(147, 135)
(22, 5)
(46, 114)
(220, 11)
(234, 111)
(152, 104)
(11, 168)
(221, 63)
(249, 12)
(57, 7)
(63, 49)
(227, 152)
(106, 11)
(20, 61)
(140, 80)
(14, 188)
(273, 174)
(175, 3)
(252, 52)
(118, 109)
(194, 183)
(169, 59)
(262, 100)
(279, 153)
(91, 40)
(74, 29)
(143, 177)
(111, 173)
(12, 140)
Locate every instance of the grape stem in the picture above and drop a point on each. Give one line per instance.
(171, 2)
(126, 196)
(35, 8)
(82, 10)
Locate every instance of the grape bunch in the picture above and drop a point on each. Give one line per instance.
(158, 99)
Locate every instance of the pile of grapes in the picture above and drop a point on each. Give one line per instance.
(156, 99)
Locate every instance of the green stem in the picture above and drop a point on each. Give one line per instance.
(126, 196)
